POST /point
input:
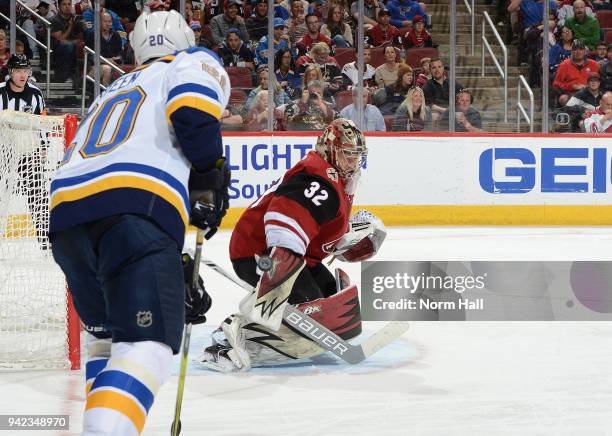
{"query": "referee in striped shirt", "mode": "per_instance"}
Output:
(19, 95)
(16, 93)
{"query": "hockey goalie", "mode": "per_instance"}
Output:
(278, 246)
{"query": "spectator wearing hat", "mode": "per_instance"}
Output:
(371, 9)
(587, 99)
(386, 74)
(88, 22)
(600, 120)
(313, 36)
(197, 32)
(350, 72)
(585, 28)
(425, 73)
(573, 73)
(281, 40)
(257, 23)
(383, 34)
(230, 18)
(296, 24)
(336, 29)
(235, 53)
(403, 11)
(418, 36)
(373, 120)
(606, 72)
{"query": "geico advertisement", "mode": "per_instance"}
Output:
(445, 170)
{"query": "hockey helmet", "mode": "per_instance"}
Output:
(160, 34)
(343, 145)
(18, 62)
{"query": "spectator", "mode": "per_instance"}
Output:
(281, 40)
(231, 118)
(310, 112)
(587, 99)
(280, 97)
(280, 11)
(235, 53)
(600, 5)
(287, 4)
(467, 119)
(319, 55)
(606, 71)
(257, 118)
(220, 24)
(600, 120)
(383, 34)
(425, 73)
(600, 55)
(26, 21)
(403, 11)
(437, 91)
(532, 13)
(197, 33)
(257, 23)
(373, 120)
(110, 47)
(350, 73)
(285, 72)
(313, 72)
(566, 10)
(412, 115)
(65, 30)
(562, 49)
(391, 97)
(585, 28)
(371, 9)
(386, 74)
(296, 24)
(88, 22)
(573, 73)
(313, 36)
(417, 37)
(339, 32)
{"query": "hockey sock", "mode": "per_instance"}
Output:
(123, 392)
(98, 353)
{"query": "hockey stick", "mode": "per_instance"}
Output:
(322, 335)
(176, 423)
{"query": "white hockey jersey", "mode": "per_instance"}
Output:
(125, 156)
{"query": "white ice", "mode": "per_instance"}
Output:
(471, 378)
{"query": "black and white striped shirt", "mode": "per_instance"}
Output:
(29, 100)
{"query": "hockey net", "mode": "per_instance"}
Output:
(38, 325)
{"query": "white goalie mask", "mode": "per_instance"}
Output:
(160, 34)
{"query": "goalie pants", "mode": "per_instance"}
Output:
(312, 283)
(126, 278)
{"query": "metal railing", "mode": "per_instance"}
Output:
(520, 109)
(87, 77)
(472, 11)
(47, 47)
(503, 72)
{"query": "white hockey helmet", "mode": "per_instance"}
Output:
(160, 34)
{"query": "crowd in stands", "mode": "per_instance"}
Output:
(315, 74)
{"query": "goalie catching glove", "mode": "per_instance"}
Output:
(197, 301)
(209, 197)
(365, 236)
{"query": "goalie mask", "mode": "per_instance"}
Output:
(343, 145)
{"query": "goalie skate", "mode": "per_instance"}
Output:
(216, 358)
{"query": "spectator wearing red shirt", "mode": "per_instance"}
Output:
(574, 72)
(313, 36)
(600, 121)
(384, 34)
(417, 36)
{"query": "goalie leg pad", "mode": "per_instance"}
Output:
(280, 271)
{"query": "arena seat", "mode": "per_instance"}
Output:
(605, 19)
(240, 77)
(414, 55)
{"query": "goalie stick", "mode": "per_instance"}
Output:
(322, 335)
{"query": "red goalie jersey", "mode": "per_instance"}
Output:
(307, 211)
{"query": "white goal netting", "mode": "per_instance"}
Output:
(33, 298)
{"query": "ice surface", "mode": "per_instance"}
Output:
(438, 379)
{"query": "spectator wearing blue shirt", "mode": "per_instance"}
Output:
(403, 11)
(88, 22)
(562, 49)
(373, 120)
(533, 10)
(281, 40)
(286, 74)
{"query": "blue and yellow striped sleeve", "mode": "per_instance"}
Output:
(195, 96)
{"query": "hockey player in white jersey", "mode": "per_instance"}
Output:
(145, 162)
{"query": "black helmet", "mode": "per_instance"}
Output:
(18, 61)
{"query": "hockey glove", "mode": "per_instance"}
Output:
(209, 197)
(197, 301)
(365, 236)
